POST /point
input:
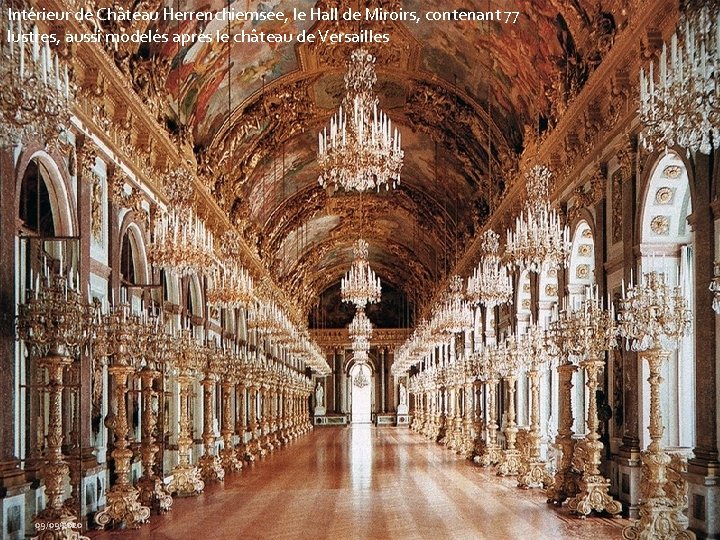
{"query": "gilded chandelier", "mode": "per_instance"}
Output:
(35, 93)
(182, 244)
(539, 241)
(232, 286)
(683, 107)
(490, 283)
(360, 286)
(360, 150)
(454, 314)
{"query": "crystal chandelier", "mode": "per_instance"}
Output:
(360, 327)
(182, 244)
(231, 286)
(490, 283)
(35, 93)
(360, 286)
(454, 314)
(653, 315)
(360, 150)
(539, 241)
(361, 380)
(684, 106)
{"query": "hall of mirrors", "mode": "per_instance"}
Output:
(500, 238)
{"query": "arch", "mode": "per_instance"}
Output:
(361, 396)
(62, 207)
(581, 267)
(666, 245)
(194, 297)
(133, 233)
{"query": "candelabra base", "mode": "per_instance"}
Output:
(509, 462)
(563, 486)
(229, 460)
(488, 454)
(211, 468)
(57, 524)
(593, 496)
(186, 481)
(533, 474)
(657, 522)
(244, 453)
(154, 494)
(123, 508)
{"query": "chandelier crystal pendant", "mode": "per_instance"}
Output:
(490, 283)
(360, 380)
(360, 286)
(539, 241)
(683, 105)
(360, 150)
(360, 327)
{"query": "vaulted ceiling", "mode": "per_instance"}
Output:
(458, 91)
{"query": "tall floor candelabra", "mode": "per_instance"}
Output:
(488, 452)
(228, 457)
(654, 316)
(210, 466)
(509, 364)
(534, 347)
(186, 479)
(565, 483)
(156, 345)
(123, 507)
(593, 331)
(54, 323)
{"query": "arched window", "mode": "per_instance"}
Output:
(127, 263)
(35, 209)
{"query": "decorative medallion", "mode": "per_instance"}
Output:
(582, 271)
(551, 290)
(587, 233)
(585, 250)
(526, 287)
(526, 303)
(552, 272)
(664, 195)
(660, 225)
(672, 171)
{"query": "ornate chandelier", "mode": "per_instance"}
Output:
(360, 327)
(181, 242)
(360, 286)
(35, 93)
(232, 286)
(539, 241)
(684, 106)
(454, 314)
(361, 380)
(360, 150)
(490, 283)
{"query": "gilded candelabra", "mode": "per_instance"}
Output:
(508, 361)
(211, 468)
(535, 352)
(156, 348)
(593, 333)
(54, 323)
(186, 479)
(653, 317)
(565, 483)
(231, 365)
(489, 452)
(123, 507)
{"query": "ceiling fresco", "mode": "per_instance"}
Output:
(466, 97)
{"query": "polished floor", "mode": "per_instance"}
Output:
(363, 482)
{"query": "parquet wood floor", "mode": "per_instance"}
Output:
(363, 482)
